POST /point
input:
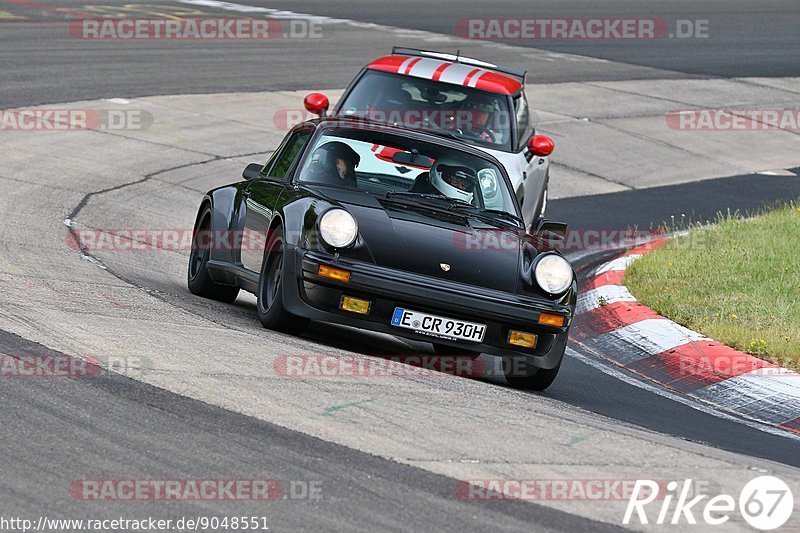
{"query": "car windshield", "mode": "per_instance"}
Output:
(394, 166)
(471, 115)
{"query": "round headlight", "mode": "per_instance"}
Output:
(338, 228)
(553, 274)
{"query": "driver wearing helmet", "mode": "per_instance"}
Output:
(450, 178)
(334, 163)
(480, 109)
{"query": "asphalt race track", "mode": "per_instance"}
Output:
(41, 65)
(162, 430)
(740, 31)
(387, 454)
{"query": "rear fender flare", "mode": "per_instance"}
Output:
(226, 214)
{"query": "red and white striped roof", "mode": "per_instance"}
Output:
(448, 72)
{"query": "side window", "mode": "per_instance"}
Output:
(283, 162)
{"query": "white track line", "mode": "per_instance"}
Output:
(620, 263)
(656, 335)
(607, 294)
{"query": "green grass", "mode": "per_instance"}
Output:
(736, 281)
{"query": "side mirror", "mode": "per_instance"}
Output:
(549, 234)
(551, 229)
(316, 103)
(252, 171)
(541, 145)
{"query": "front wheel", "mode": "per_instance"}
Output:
(271, 312)
(520, 375)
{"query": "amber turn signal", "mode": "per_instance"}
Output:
(334, 273)
(548, 319)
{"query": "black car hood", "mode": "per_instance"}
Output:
(451, 246)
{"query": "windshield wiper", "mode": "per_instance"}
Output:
(451, 203)
(506, 215)
(456, 203)
(478, 211)
(407, 200)
(427, 196)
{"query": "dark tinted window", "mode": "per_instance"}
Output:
(289, 153)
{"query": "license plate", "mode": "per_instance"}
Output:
(438, 326)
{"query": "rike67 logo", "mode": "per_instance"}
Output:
(766, 503)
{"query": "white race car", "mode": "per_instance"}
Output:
(473, 101)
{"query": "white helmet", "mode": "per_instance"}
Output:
(453, 179)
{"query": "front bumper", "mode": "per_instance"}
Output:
(309, 295)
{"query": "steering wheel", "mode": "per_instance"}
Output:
(475, 134)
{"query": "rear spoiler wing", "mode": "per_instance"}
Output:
(457, 58)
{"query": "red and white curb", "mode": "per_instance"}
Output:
(612, 324)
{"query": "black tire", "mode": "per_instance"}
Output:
(271, 312)
(443, 349)
(199, 280)
(521, 375)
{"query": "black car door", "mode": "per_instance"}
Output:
(262, 194)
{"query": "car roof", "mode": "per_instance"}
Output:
(452, 72)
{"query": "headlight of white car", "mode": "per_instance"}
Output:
(338, 228)
(553, 274)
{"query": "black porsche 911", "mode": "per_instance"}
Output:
(391, 230)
